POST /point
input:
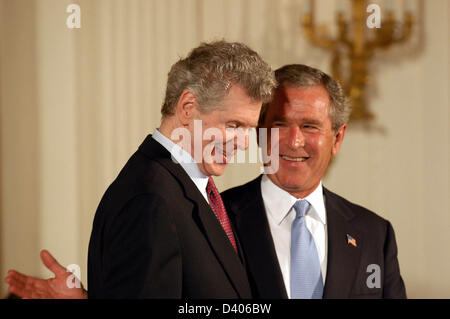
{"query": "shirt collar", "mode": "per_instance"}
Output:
(180, 156)
(279, 202)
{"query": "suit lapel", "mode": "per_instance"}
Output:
(343, 258)
(255, 236)
(205, 219)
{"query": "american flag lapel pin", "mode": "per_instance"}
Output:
(351, 240)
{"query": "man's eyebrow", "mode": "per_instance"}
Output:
(278, 118)
(304, 120)
(312, 121)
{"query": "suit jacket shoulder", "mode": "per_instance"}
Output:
(370, 260)
(155, 236)
(352, 211)
(349, 266)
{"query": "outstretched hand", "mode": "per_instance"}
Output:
(53, 288)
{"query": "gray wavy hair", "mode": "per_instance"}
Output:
(209, 71)
(299, 75)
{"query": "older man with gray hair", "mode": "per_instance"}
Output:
(161, 229)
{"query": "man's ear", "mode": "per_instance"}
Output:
(186, 106)
(338, 139)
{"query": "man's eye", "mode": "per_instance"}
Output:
(278, 124)
(233, 125)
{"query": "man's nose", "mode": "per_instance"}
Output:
(296, 137)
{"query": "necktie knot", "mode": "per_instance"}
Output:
(211, 187)
(300, 207)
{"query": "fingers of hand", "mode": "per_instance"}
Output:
(51, 263)
(16, 278)
(29, 293)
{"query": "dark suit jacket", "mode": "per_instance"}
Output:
(155, 236)
(347, 271)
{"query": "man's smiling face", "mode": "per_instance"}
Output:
(239, 112)
(306, 137)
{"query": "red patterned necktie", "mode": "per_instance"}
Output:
(216, 203)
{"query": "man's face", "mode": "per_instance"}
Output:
(306, 138)
(239, 113)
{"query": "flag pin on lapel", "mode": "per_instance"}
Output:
(351, 240)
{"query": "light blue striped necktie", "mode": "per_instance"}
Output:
(306, 276)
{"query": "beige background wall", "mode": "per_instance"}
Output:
(76, 103)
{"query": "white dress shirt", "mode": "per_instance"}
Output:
(280, 214)
(186, 161)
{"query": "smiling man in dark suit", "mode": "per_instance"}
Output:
(161, 229)
(300, 239)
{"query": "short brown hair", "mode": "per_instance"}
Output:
(299, 75)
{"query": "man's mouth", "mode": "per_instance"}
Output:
(294, 159)
(228, 156)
